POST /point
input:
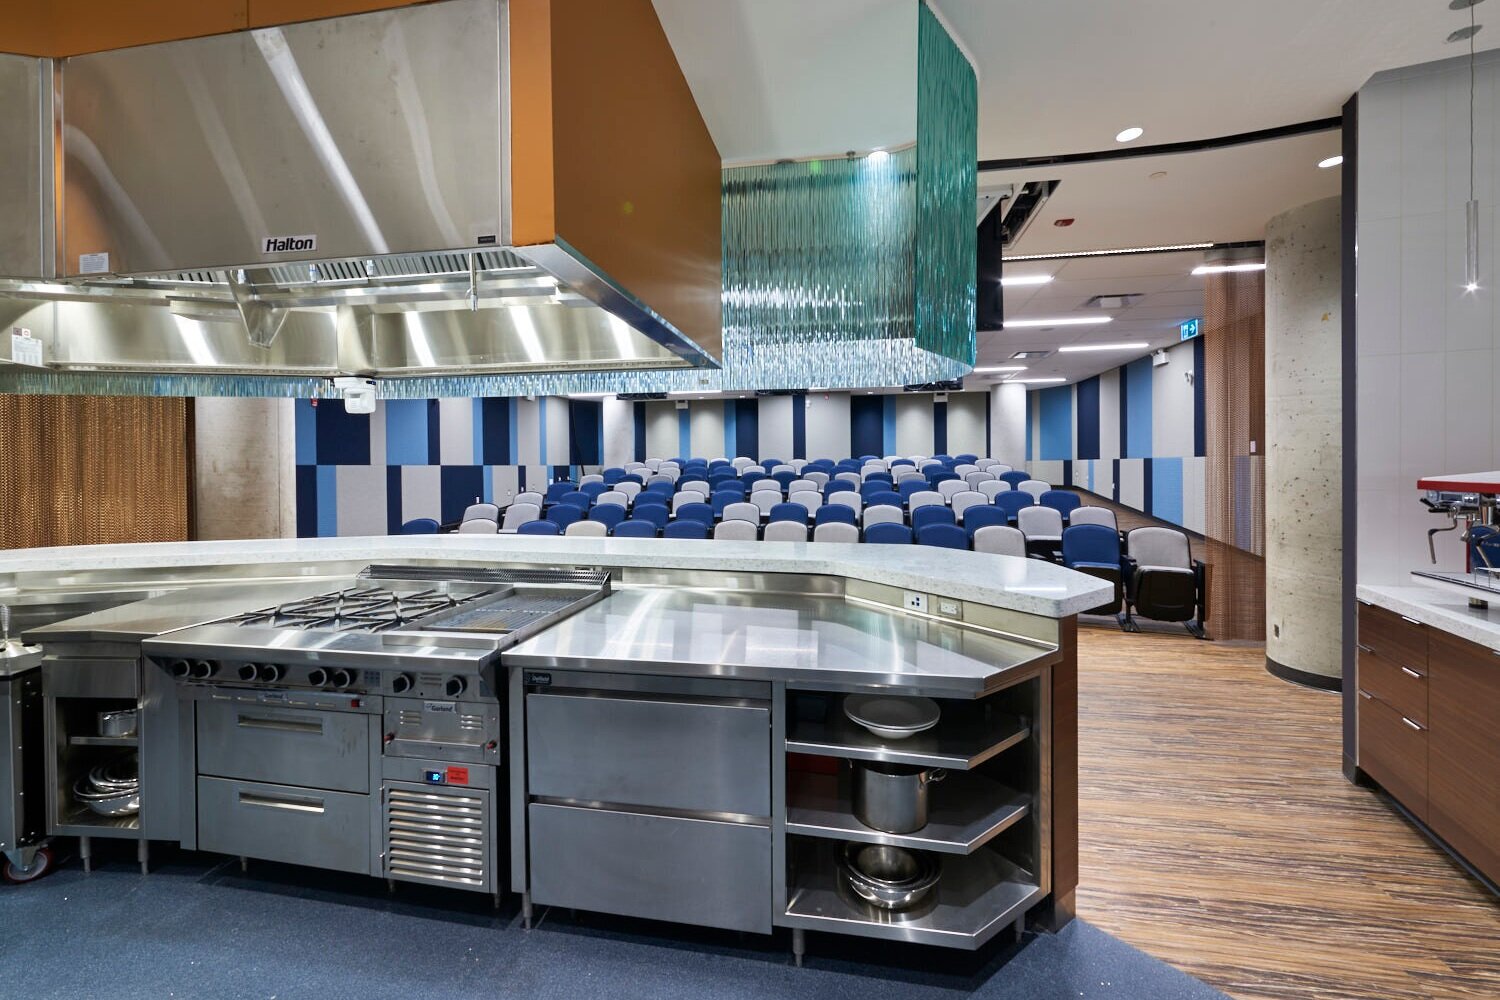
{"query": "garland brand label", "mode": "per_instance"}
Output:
(288, 244)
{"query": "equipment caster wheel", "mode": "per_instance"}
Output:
(41, 864)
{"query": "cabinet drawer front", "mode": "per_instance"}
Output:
(1464, 750)
(1393, 751)
(688, 871)
(1400, 640)
(698, 756)
(299, 826)
(1402, 688)
(284, 746)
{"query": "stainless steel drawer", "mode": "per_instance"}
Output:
(284, 746)
(694, 755)
(299, 826)
(690, 871)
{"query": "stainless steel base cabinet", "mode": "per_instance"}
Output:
(299, 826)
(687, 870)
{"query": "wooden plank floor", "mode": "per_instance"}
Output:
(1219, 835)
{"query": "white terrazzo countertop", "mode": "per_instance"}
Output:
(1440, 609)
(1026, 585)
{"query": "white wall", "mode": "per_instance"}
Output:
(1008, 424)
(914, 424)
(827, 425)
(1171, 404)
(775, 422)
(967, 412)
(618, 417)
(662, 432)
(1427, 352)
(706, 428)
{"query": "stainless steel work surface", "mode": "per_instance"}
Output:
(178, 609)
(804, 641)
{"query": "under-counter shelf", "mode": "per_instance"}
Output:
(82, 821)
(965, 812)
(977, 896)
(960, 741)
(104, 741)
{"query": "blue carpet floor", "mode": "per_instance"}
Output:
(197, 927)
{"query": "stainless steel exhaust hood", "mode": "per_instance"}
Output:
(337, 197)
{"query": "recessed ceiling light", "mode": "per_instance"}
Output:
(1131, 134)
(1034, 381)
(818, 388)
(1017, 324)
(1029, 355)
(1075, 348)
(1228, 268)
(1121, 251)
(999, 368)
(1332, 161)
(878, 156)
(1025, 279)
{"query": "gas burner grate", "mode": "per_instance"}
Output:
(357, 609)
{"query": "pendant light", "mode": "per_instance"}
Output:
(1471, 207)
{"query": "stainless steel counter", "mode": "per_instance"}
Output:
(820, 642)
(194, 605)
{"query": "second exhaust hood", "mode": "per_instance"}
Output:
(471, 185)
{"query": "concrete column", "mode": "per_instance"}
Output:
(1304, 461)
(1008, 424)
(245, 468)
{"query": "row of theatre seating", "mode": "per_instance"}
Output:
(882, 502)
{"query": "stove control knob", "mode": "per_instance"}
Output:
(268, 672)
(248, 672)
(179, 668)
(317, 677)
(343, 678)
(202, 670)
(401, 683)
(454, 687)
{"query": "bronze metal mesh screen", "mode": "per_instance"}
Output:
(1234, 352)
(83, 470)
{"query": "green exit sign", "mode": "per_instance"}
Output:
(1190, 329)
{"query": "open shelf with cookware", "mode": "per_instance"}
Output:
(913, 819)
(95, 767)
(971, 811)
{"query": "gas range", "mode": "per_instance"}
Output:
(404, 631)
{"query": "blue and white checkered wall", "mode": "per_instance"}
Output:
(367, 474)
(1134, 434)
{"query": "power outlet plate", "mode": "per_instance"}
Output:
(948, 608)
(913, 601)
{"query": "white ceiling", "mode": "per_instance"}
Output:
(792, 78)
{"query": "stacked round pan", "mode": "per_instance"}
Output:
(112, 789)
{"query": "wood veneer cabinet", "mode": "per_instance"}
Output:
(1429, 729)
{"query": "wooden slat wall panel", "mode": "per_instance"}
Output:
(87, 470)
(1234, 349)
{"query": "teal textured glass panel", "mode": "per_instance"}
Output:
(819, 258)
(947, 180)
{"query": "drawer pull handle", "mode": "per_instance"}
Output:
(269, 802)
(1408, 671)
(1411, 621)
(1366, 695)
(1411, 723)
(281, 725)
(1363, 648)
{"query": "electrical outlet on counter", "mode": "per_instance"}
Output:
(949, 608)
(913, 601)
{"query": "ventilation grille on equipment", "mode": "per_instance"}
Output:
(437, 835)
(361, 269)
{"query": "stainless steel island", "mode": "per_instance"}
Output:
(675, 749)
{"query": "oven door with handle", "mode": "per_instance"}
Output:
(286, 746)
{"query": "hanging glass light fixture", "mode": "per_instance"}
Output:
(1471, 207)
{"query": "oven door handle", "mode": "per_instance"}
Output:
(293, 803)
(314, 728)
